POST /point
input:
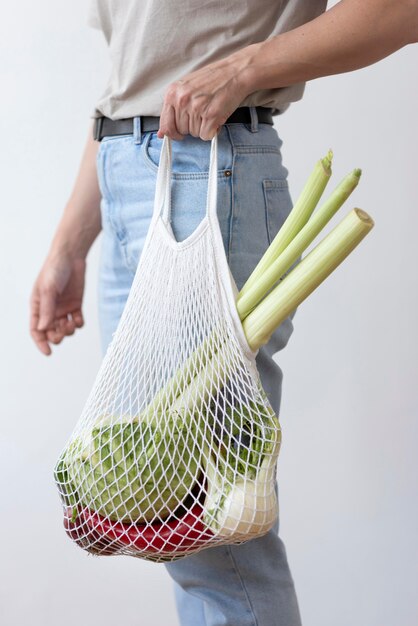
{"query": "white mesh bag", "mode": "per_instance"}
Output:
(176, 448)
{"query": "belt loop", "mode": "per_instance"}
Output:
(97, 129)
(137, 129)
(254, 119)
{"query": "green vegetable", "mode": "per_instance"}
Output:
(297, 218)
(305, 277)
(134, 470)
(251, 295)
(142, 468)
(297, 232)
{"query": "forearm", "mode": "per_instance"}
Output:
(351, 35)
(80, 223)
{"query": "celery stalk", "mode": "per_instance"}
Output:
(305, 277)
(249, 298)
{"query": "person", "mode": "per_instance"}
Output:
(189, 70)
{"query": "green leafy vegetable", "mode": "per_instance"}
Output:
(133, 471)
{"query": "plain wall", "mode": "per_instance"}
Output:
(348, 465)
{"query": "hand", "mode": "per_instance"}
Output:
(56, 301)
(200, 102)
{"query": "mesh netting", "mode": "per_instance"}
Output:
(176, 448)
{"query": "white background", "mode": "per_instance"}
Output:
(348, 466)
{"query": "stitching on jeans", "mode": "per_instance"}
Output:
(248, 149)
(119, 228)
(198, 175)
(128, 258)
(231, 219)
(109, 138)
(179, 176)
(106, 168)
(236, 570)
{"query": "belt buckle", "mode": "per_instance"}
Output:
(98, 126)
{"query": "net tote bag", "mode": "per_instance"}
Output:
(176, 447)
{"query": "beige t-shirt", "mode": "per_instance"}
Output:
(154, 42)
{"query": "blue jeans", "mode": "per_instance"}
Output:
(239, 585)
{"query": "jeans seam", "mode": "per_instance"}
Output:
(112, 200)
(101, 164)
(121, 234)
(243, 587)
(248, 149)
(231, 219)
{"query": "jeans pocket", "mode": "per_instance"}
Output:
(151, 149)
(190, 156)
(102, 182)
(100, 166)
(278, 204)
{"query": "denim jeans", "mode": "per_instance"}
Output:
(239, 585)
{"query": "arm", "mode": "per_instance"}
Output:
(81, 223)
(58, 290)
(351, 35)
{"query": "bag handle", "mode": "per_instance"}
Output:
(162, 201)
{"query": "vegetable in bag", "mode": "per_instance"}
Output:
(177, 445)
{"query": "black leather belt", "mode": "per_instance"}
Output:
(105, 127)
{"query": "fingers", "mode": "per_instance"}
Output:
(176, 123)
(39, 336)
(63, 327)
(195, 122)
(168, 124)
(40, 339)
(56, 302)
(67, 324)
(181, 119)
(54, 336)
(77, 317)
(211, 124)
(47, 303)
(45, 328)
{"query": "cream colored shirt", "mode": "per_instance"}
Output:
(154, 42)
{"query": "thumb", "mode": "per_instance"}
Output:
(46, 308)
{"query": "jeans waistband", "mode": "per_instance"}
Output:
(105, 127)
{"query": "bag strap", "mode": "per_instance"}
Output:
(212, 192)
(162, 201)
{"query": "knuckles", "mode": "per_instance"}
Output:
(180, 97)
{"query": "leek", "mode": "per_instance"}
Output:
(250, 297)
(296, 219)
(305, 277)
(248, 506)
